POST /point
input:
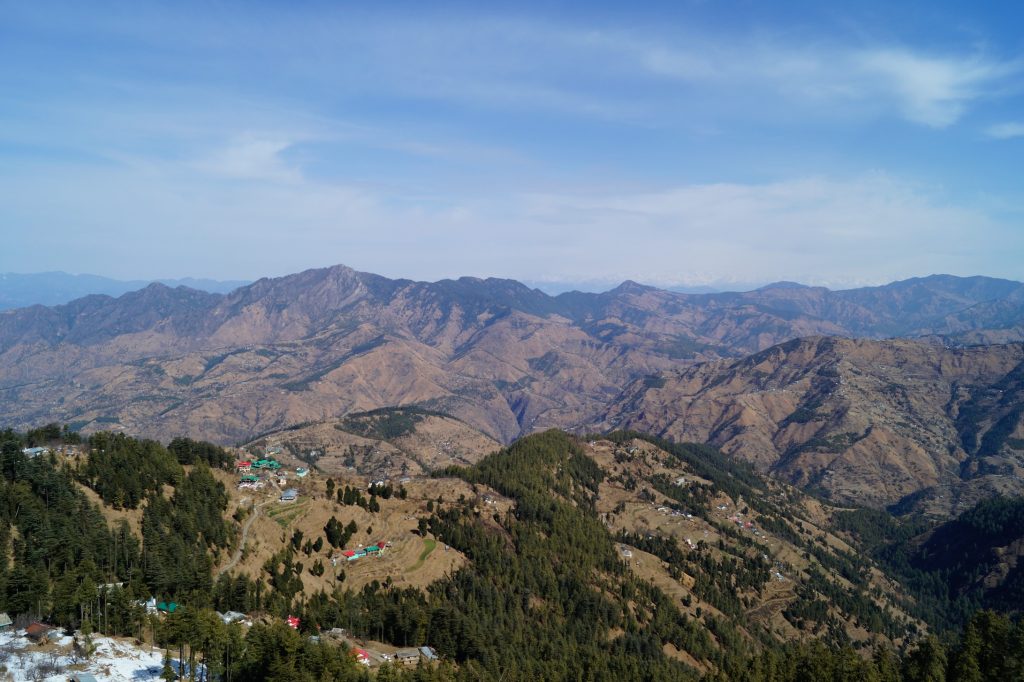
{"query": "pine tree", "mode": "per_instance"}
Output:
(168, 673)
(927, 663)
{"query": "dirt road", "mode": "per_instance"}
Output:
(245, 536)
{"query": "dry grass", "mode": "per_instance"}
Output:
(405, 561)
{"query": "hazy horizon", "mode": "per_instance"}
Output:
(678, 144)
(550, 287)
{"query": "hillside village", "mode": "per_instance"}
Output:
(726, 548)
(275, 500)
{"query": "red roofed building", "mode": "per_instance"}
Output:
(244, 467)
(37, 632)
(293, 622)
(362, 656)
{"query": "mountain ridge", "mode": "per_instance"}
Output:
(503, 357)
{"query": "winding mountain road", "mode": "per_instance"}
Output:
(245, 536)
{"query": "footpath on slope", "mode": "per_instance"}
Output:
(245, 536)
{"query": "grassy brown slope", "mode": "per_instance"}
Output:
(630, 503)
(869, 422)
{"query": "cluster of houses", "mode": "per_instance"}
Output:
(405, 657)
(250, 481)
(410, 657)
(675, 512)
(153, 606)
(747, 525)
(34, 452)
(36, 632)
(39, 633)
(253, 481)
(247, 466)
(356, 554)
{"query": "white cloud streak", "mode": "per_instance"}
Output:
(1005, 131)
(935, 91)
(931, 90)
(252, 157)
(570, 70)
(501, 63)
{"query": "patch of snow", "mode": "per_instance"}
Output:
(114, 660)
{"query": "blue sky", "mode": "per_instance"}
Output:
(682, 143)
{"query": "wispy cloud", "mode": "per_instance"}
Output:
(500, 64)
(415, 146)
(608, 73)
(935, 91)
(1005, 131)
(252, 157)
(929, 89)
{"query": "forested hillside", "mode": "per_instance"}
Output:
(767, 592)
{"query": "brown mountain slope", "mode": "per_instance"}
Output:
(504, 358)
(869, 422)
(383, 444)
(652, 498)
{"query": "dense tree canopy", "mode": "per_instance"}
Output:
(544, 595)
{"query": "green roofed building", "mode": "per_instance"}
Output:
(167, 607)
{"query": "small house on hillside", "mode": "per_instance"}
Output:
(244, 467)
(38, 633)
(408, 657)
(271, 464)
(5, 622)
(301, 473)
(167, 607)
(428, 654)
(362, 656)
(290, 495)
(33, 452)
(229, 617)
(82, 677)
